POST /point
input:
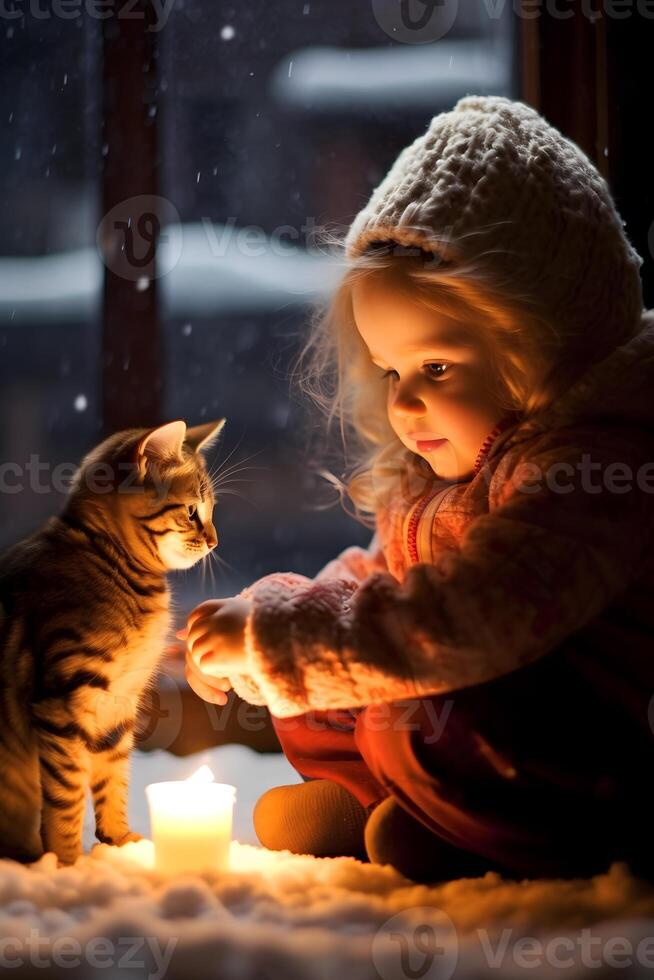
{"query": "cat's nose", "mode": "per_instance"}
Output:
(211, 539)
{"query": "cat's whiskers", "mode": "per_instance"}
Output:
(236, 493)
(228, 483)
(211, 570)
(216, 481)
(221, 469)
(221, 561)
(216, 475)
(231, 478)
(232, 452)
(219, 487)
(206, 567)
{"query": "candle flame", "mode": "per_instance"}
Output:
(201, 775)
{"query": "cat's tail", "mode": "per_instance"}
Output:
(20, 807)
(20, 799)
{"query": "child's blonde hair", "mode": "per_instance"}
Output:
(532, 359)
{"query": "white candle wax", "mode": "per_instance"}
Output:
(191, 823)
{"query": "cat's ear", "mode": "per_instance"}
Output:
(202, 437)
(161, 444)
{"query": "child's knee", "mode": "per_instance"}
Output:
(319, 817)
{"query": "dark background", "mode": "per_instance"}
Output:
(266, 115)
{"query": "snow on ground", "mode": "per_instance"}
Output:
(275, 914)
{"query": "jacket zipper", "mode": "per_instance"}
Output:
(414, 520)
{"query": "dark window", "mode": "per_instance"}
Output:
(272, 120)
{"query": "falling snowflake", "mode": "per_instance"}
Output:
(81, 403)
(142, 284)
(227, 32)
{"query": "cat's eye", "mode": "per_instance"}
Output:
(192, 511)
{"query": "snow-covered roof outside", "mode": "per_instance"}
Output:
(218, 270)
(428, 75)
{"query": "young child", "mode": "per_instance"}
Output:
(471, 692)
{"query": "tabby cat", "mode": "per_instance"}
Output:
(84, 618)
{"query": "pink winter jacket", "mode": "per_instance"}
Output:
(552, 537)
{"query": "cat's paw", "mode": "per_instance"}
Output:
(67, 858)
(127, 838)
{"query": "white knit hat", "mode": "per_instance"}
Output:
(494, 176)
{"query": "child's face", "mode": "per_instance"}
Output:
(439, 386)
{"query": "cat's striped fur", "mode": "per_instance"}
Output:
(84, 619)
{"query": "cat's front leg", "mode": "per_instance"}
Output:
(63, 761)
(110, 785)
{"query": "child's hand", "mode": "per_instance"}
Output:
(215, 638)
(207, 687)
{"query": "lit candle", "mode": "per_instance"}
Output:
(191, 823)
